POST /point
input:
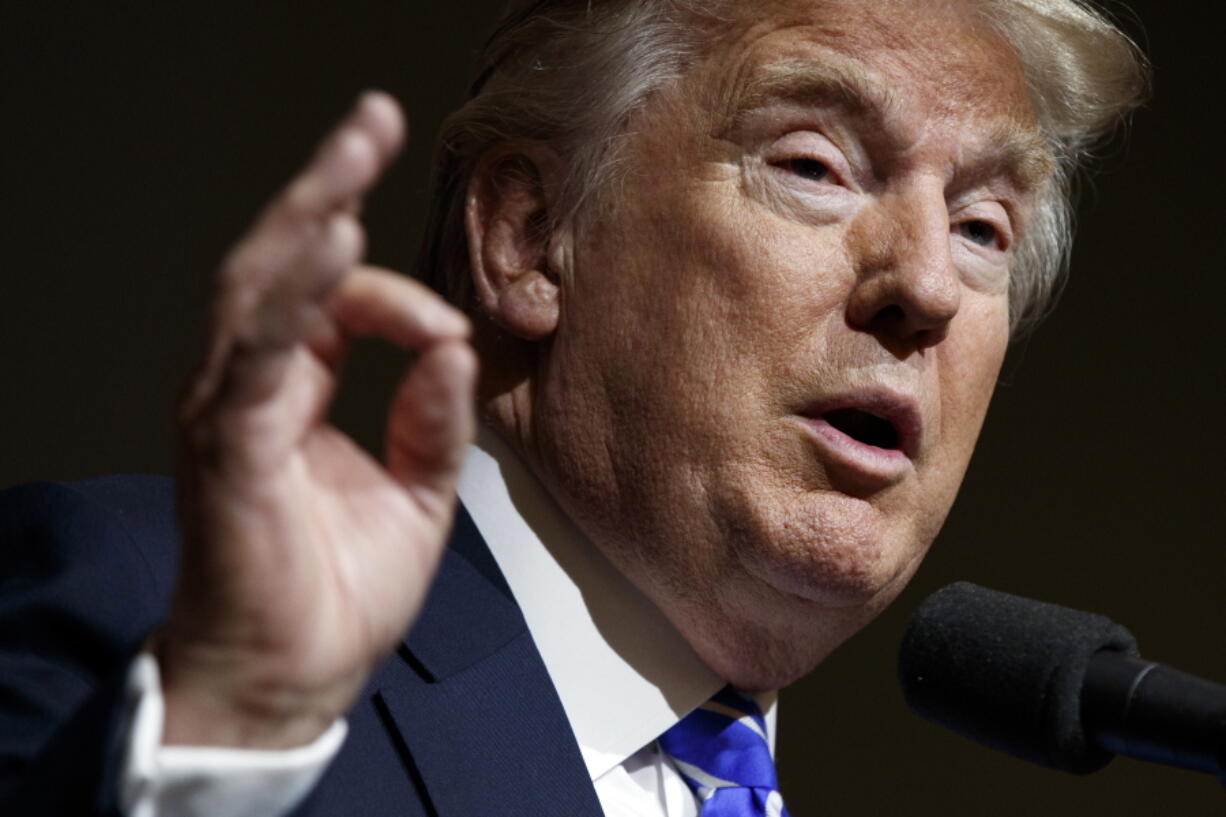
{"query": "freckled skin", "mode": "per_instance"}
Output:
(721, 294)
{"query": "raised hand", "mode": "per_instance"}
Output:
(304, 560)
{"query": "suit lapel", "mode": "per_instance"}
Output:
(474, 704)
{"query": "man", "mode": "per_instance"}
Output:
(739, 320)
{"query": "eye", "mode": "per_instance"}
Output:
(979, 232)
(814, 170)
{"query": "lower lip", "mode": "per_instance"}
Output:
(871, 467)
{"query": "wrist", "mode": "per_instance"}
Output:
(217, 697)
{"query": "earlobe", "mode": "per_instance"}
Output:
(508, 218)
(529, 306)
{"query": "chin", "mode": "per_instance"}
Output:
(758, 636)
(799, 584)
(754, 652)
(766, 666)
(836, 551)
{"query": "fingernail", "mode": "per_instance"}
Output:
(449, 321)
(372, 96)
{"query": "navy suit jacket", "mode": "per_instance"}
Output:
(461, 720)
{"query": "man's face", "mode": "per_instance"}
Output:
(777, 348)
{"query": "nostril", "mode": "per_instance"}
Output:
(913, 327)
(889, 316)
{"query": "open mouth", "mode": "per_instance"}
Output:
(864, 427)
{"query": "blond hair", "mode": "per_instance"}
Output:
(571, 73)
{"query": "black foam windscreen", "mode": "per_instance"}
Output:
(1007, 672)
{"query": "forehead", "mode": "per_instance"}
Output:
(934, 61)
(948, 43)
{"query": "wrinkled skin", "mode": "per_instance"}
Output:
(753, 266)
(664, 366)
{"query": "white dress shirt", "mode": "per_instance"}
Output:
(622, 671)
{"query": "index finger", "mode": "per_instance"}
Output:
(350, 158)
(374, 302)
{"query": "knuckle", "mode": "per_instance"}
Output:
(252, 262)
(345, 241)
(299, 201)
(356, 147)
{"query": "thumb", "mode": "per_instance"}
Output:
(430, 423)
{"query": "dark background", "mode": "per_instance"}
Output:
(139, 138)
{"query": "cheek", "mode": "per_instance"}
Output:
(716, 286)
(775, 285)
(969, 369)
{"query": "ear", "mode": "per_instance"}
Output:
(507, 218)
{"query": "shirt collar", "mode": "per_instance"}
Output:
(622, 671)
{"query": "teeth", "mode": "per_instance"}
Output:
(864, 427)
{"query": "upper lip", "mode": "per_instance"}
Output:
(899, 410)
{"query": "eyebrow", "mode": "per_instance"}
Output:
(1017, 149)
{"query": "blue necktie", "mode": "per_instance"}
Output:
(721, 750)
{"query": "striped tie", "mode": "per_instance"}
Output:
(722, 751)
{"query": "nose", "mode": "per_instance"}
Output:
(907, 289)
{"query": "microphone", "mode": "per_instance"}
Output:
(1054, 686)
